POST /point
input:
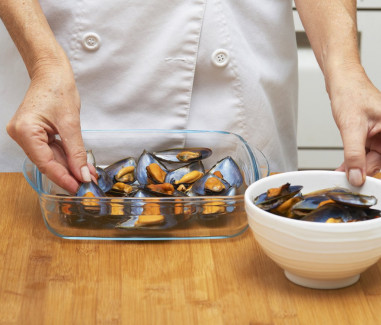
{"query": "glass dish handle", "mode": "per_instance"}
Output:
(262, 163)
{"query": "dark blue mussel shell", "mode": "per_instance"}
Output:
(105, 182)
(92, 205)
(114, 168)
(91, 187)
(144, 161)
(177, 174)
(230, 171)
(172, 155)
(268, 203)
(353, 199)
(340, 213)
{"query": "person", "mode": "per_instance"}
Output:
(223, 65)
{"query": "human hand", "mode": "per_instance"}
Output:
(356, 107)
(51, 107)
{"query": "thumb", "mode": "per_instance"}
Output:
(354, 154)
(76, 153)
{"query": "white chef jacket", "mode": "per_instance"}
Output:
(172, 64)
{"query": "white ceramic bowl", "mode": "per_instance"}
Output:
(316, 255)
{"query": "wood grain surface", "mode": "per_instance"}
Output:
(48, 280)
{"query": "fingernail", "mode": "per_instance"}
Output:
(85, 173)
(355, 177)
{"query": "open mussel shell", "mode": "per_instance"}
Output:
(90, 187)
(92, 201)
(308, 204)
(144, 161)
(160, 216)
(91, 157)
(200, 187)
(267, 203)
(334, 212)
(214, 208)
(165, 190)
(133, 224)
(105, 182)
(339, 213)
(230, 204)
(117, 210)
(137, 205)
(372, 213)
(120, 189)
(183, 155)
(230, 171)
(313, 200)
(353, 199)
(148, 215)
(118, 166)
(174, 176)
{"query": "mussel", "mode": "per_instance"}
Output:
(149, 169)
(352, 199)
(123, 170)
(92, 201)
(228, 170)
(185, 176)
(209, 184)
(183, 155)
(164, 189)
(274, 197)
(337, 213)
(104, 180)
(174, 173)
(150, 217)
(90, 189)
(91, 157)
(331, 205)
(122, 189)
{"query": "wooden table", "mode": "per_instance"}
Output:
(48, 280)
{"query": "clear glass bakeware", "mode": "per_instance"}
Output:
(185, 217)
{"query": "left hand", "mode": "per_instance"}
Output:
(356, 108)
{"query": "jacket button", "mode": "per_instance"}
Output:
(220, 58)
(91, 41)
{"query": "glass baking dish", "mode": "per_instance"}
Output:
(186, 217)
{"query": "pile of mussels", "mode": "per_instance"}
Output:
(177, 172)
(330, 205)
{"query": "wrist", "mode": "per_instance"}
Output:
(51, 67)
(48, 59)
(339, 75)
(54, 77)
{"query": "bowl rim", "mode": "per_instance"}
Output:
(300, 224)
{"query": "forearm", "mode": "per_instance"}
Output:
(331, 27)
(31, 33)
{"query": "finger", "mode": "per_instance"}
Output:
(354, 153)
(72, 143)
(92, 169)
(59, 152)
(373, 159)
(341, 168)
(60, 157)
(38, 150)
(60, 175)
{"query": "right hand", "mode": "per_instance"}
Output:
(51, 107)
(356, 108)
